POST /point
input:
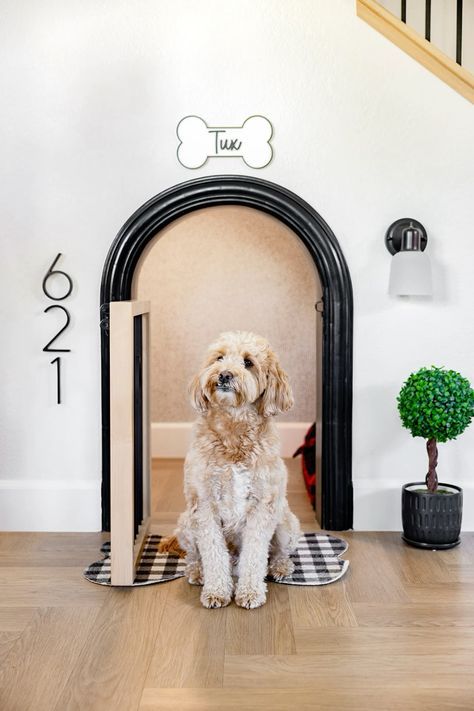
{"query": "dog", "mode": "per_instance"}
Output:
(237, 522)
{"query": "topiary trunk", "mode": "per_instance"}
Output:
(432, 477)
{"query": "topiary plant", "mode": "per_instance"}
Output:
(438, 405)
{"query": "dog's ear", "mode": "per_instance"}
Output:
(198, 400)
(277, 396)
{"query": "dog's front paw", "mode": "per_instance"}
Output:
(250, 596)
(193, 572)
(281, 568)
(211, 599)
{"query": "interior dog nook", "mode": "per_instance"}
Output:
(231, 214)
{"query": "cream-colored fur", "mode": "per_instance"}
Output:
(237, 523)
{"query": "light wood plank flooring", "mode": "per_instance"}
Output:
(396, 633)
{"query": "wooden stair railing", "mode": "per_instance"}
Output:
(421, 49)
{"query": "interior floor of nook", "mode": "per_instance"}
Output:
(168, 498)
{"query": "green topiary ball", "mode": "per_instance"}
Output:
(436, 404)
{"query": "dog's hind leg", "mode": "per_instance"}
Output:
(186, 539)
(283, 544)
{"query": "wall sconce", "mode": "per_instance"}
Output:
(410, 273)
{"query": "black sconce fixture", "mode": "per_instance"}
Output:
(410, 273)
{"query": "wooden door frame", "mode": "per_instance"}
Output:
(335, 447)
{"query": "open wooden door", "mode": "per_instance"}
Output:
(130, 463)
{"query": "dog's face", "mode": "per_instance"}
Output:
(241, 370)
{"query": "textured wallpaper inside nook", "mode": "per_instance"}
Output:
(226, 268)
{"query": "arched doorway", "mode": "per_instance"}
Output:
(334, 443)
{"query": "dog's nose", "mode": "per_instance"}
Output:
(225, 377)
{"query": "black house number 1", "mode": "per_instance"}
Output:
(52, 346)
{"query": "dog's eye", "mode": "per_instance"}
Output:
(248, 363)
(220, 358)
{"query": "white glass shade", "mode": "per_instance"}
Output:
(410, 274)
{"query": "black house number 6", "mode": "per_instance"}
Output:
(48, 348)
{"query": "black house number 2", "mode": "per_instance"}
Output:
(52, 346)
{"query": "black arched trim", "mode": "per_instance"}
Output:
(324, 249)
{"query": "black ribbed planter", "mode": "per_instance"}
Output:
(431, 520)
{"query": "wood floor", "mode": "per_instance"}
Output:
(397, 632)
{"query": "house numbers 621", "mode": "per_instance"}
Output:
(57, 289)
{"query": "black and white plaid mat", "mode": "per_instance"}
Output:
(316, 562)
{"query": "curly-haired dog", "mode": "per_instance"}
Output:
(237, 521)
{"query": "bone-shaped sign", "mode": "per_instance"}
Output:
(198, 141)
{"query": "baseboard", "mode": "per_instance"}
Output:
(74, 506)
(377, 505)
(170, 440)
(50, 505)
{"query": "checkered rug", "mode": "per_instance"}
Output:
(316, 562)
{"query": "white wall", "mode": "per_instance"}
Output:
(91, 95)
